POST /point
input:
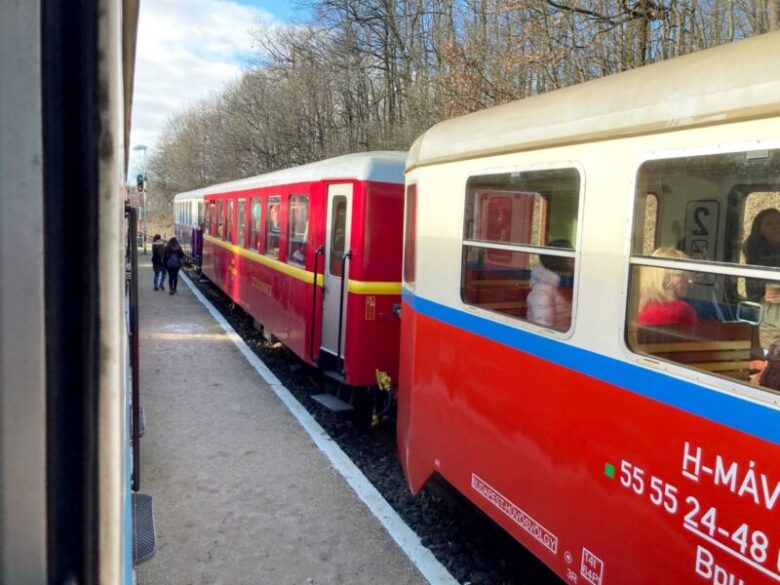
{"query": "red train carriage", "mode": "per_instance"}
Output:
(313, 253)
(583, 326)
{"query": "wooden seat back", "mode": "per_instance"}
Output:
(713, 346)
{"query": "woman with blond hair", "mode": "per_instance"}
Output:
(661, 291)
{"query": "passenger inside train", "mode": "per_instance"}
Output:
(298, 225)
(549, 303)
(720, 209)
(661, 293)
(762, 248)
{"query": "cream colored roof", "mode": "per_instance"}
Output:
(187, 195)
(382, 166)
(727, 83)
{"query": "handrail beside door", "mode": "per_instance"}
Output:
(340, 360)
(317, 253)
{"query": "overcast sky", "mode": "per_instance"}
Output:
(187, 50)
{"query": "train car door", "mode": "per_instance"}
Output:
(337, 244)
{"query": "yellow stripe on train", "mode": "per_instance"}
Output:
(354, 286)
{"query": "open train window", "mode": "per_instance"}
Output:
(410, 235)
(297, 228)
(254, 226)
(706, 293)
(273, 217)
(221, 219)
(519, 238)
(241, 224)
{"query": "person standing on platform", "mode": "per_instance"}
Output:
(158, 264)
(173, 258)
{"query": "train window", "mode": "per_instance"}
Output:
(210, 218)
(201, 214)
(254, 226)
(704, 285)
(229, 222)
(298, 228)
(241, 224)
(519, 236)
(410, 235)
(272, 226)
(221, 219)
(338, 235)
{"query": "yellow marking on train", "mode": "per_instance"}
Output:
(294, 271)
(374, 288)
(354, 286)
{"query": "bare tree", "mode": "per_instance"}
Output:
(374, 74)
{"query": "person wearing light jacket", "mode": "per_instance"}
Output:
(547, 305)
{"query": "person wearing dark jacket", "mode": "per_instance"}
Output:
(173, 258)
(762, 248)
(158, 264)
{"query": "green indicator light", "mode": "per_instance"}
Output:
(609, 470)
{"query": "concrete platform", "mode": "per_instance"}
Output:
(242, 494)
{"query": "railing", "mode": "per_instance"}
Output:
(339, 359)
(317, 253)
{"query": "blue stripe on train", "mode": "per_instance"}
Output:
(755, 419)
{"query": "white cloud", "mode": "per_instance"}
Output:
(187, 50)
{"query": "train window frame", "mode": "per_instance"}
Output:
(696, 267)
(241, 238)
(276, 229)
(410, 236)
(573, 253)
(255, 222)
(297, 240)
(211, 211)
(221, 219)
(230, 221)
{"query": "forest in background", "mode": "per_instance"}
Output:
(375, 74)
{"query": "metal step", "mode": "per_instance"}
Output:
(141, 421)
(333, 375)
(144, 536)
(332, 403)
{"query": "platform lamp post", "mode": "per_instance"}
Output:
(141, 186)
